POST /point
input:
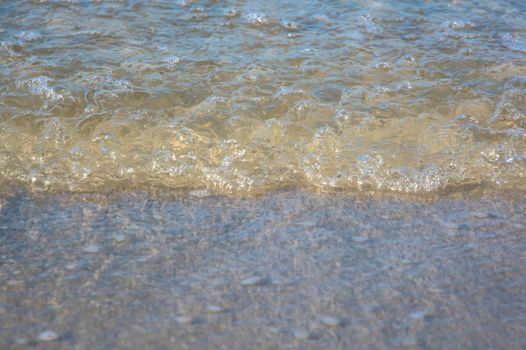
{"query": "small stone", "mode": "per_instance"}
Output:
(48, 336)
(119, 238)
(214, 309)
(14, 283)
(306, 223)
(519, 226)
(183, 319)
(21, 341)
(251, 281)
(408, 341)
(331, 321)
(479, 215)
(200, 193)
(359, 239)
(300, 333)
(273, 329)
(450, 225)
(417, 315)
(483, 215)
(452, 233)
(289, 25)
(143, 258)
(91, 248)
(70, 266)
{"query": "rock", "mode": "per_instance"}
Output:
(252, 281)
(331, 321)
(48, 336)
(183, 319)
(359, 239)
(91, 248)
(300, 333)
(417, 315)
(214, 309)
(449, 225)
(483, 215)
(119, 238)
(144, 258)
(479, 215)
(70, 266)
(21, 341)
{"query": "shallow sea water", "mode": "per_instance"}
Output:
(262, 174)
(243, 97)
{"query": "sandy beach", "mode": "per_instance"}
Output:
(289, 269)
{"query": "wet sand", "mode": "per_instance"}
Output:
(287, 270)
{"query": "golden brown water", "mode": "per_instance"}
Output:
(245, 97)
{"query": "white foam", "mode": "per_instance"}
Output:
(28, 36)
(40, 86)
(255, 18)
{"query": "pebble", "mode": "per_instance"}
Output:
(21, 341)
(70, 266)
(460, 25)
(300, 333)
(519, 226)
(143, 258)
(91, 248)
(48, 336)
(14, 283)
(384, 66)
(479, 215)
(119, 238)
(214, 309)
(289, 25)
(359, 239)
(183, 319)
(252, 281)
(482, 215)
(417, 315)
(449, 225)
(331, 321)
